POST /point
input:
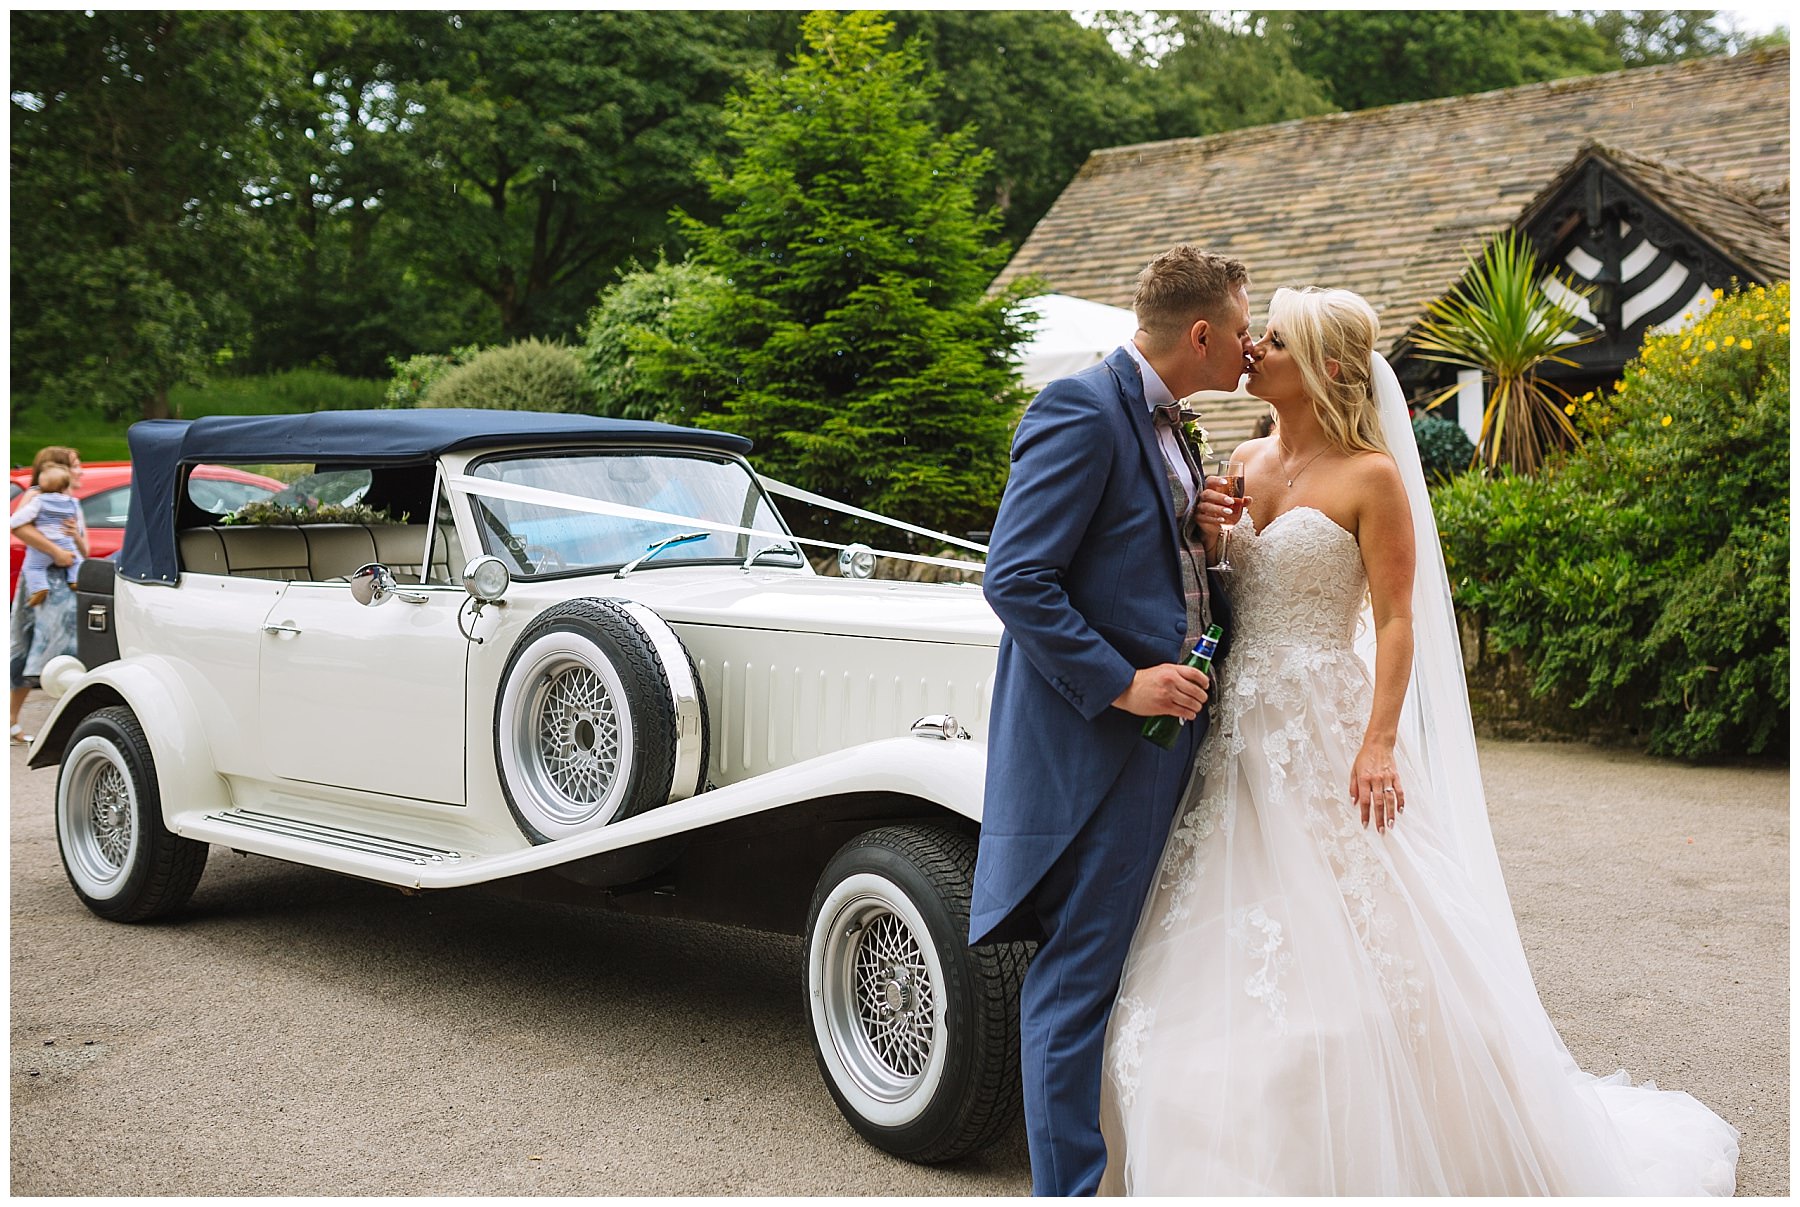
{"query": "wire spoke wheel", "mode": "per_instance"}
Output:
(578, 735)
(888, 999)
(916, 1033)
(573, 735)
(97, 816)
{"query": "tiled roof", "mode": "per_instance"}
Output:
(1740, 228)
(1229, 419)
(1392, 202)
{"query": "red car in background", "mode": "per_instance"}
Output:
(105, 497)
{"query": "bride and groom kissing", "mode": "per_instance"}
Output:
(1280, 957)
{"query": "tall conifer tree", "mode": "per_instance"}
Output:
(855, 341)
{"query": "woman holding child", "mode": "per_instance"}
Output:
(49, 523)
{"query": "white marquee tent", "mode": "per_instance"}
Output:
(1069, 335)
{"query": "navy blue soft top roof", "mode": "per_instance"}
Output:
(160, 447)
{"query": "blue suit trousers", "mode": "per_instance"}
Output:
(1087, 906)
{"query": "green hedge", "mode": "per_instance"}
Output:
(1644, 575)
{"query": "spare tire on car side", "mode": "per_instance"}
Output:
(599, 716)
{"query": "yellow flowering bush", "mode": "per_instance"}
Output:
(1644, 574)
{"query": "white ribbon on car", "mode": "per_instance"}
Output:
(488, 488)
(806, 496)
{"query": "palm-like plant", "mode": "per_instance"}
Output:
(1501, 321)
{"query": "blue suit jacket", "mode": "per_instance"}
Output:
(1082, 570)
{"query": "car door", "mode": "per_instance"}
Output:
(366, 697)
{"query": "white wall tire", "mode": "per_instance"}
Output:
(916, 1034)
(120, 859)
(599, 717)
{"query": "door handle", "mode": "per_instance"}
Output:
(279, 628)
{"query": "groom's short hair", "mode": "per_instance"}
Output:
(1182, 285)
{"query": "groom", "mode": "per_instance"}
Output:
(1099, 579)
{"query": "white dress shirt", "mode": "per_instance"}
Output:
(1157, 394)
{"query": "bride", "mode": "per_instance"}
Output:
(1326, 993)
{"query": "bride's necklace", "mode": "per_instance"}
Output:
(1283, 462)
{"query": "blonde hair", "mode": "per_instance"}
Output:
(1182, 286)
(1320, 325)
(54, 477)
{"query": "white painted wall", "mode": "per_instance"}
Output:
(1470, 400)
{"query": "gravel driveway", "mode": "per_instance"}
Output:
(298, 1033)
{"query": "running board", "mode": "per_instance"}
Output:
(404, 862)
(412, 853)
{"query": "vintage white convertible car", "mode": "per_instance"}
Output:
(600, 667)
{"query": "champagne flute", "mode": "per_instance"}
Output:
(1233, 473)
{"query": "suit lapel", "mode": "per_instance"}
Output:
(1137, 417)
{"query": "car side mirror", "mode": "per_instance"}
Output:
(374, 584)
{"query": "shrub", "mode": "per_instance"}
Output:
(414, 376)
(1645, 573)
(530, 375)
(1444, 447)
(646, 306)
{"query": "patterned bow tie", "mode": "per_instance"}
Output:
(1169, 414)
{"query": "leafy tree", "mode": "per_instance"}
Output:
(1640, 37)
(352, 293)
(1206, 72)
(855, 342)
(544, 148)
(1039, 90)
(1369, 57)
(138, 159)
(414, 376)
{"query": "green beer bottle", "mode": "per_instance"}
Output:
(1162, 730)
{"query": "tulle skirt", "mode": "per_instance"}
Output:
(1311, 1007)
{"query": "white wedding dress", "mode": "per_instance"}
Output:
(1311, 1007)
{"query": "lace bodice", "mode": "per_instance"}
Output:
(1300, 582)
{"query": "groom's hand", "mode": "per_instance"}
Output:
(1169, 690)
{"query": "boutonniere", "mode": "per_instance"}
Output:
(1196, 434)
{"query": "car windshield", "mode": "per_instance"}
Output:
(538, 538)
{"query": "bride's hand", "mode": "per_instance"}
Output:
(1214, 506)
(1375, 786)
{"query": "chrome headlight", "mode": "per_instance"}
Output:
(486, 578)
(856, 561)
